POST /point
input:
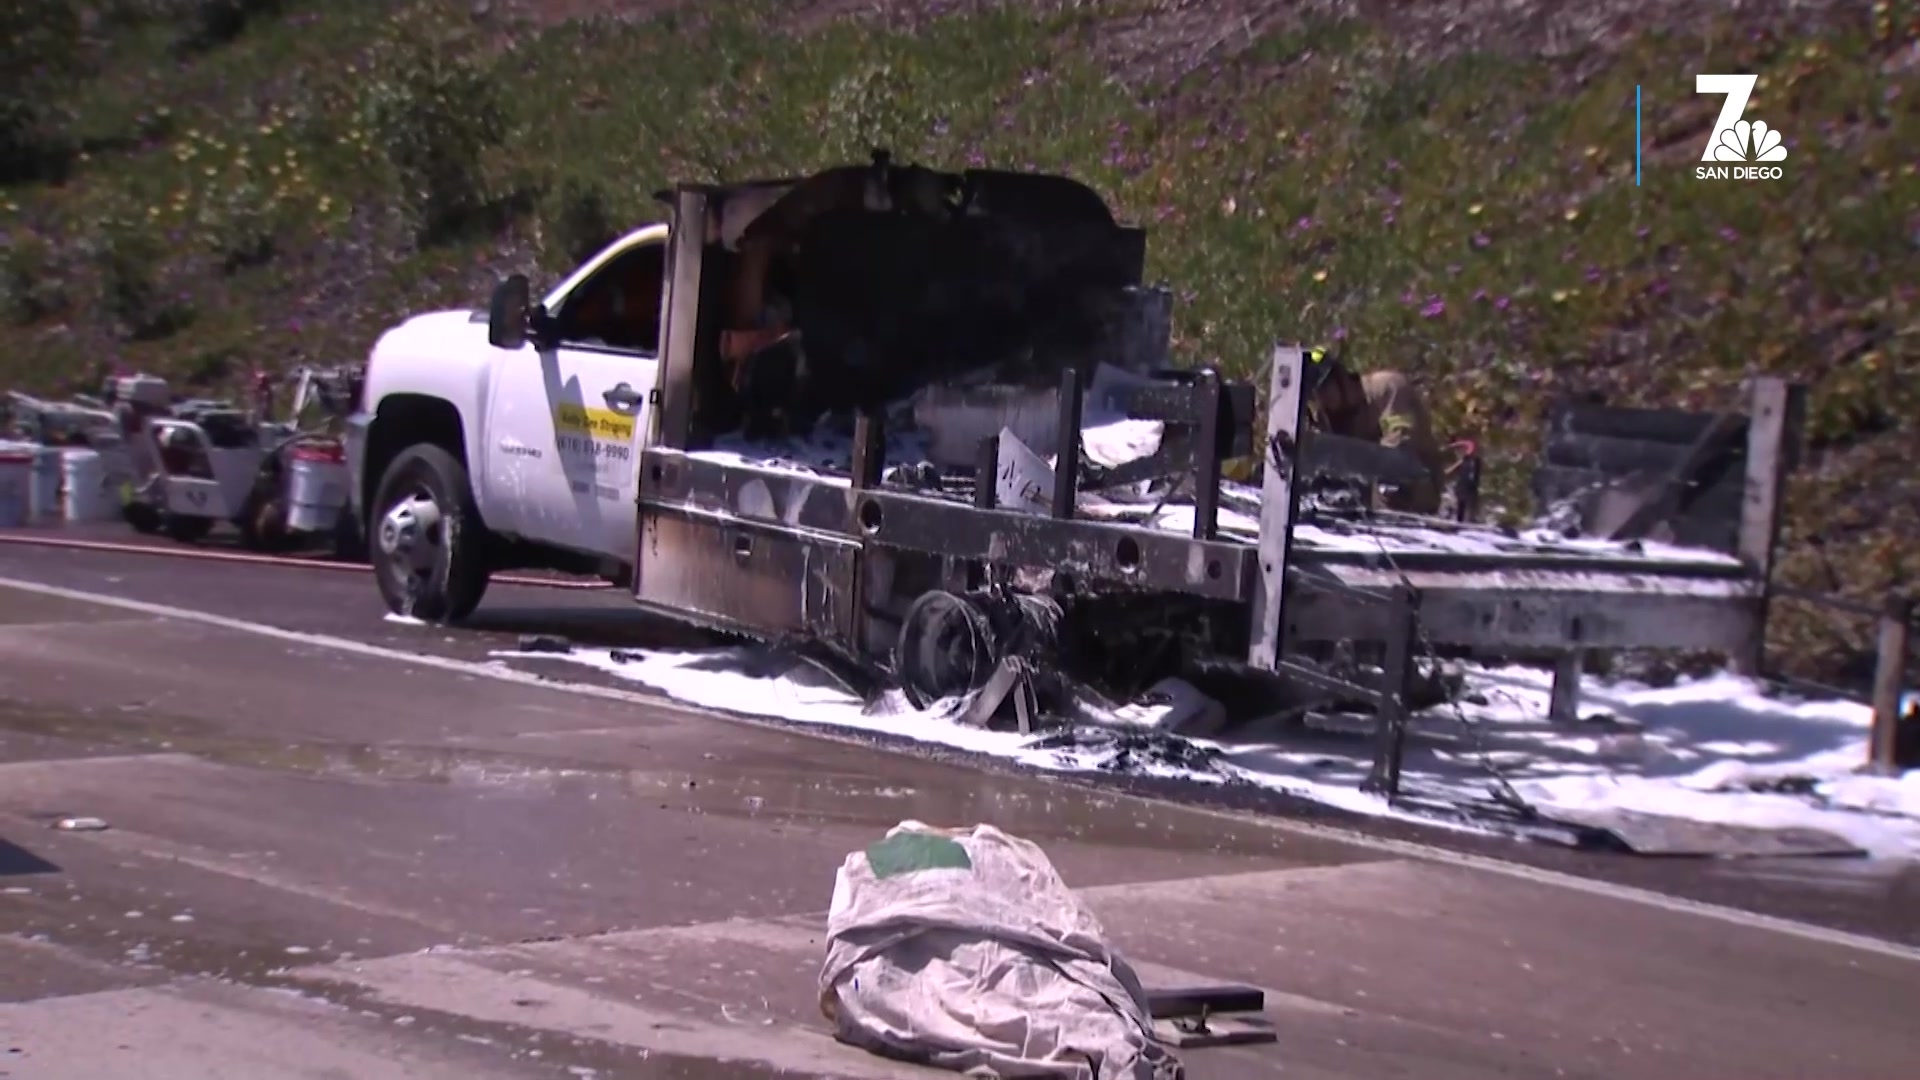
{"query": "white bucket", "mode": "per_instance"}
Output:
(91, 496)
(43, 490)
(16, 481)
(316, 489)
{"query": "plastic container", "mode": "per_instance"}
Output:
(91, 495)
(43, 487)
(16, 482)
(149, 390)
(316, 487)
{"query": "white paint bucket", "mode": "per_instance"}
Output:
(43, 488)
(16, 481)
(316, 487)
(91, 495)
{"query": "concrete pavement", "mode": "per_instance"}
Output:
(1877, 898)
(329, 862)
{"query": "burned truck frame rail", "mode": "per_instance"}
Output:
(774, 551)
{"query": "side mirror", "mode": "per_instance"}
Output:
(507, 314)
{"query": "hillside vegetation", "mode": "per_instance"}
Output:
(205, 187)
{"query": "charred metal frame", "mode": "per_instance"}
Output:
(772, 550)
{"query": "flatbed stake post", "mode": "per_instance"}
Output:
(869, 449)
(986, 496)
(986, 473)
(1066, 466)
(1279, 499)
(1206, 459)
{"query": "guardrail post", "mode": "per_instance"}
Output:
(1889, 685)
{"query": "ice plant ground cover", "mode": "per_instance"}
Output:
(203, 188)
(1718, 749)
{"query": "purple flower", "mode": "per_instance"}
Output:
(1435, 308)
(1339, 333)
(1593, 275)
(1481, 240)
(1502, 303)
(1659, 287)
(1303, 224)
(1409, 298)
(1729, 233)
(1479, 296)
(1393, 164)
(1387, 218)
(1642, 232)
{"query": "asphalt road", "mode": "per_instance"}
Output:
(327, 859)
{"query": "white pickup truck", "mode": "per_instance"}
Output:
(514, 437)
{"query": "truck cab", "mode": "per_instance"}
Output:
(475, 452)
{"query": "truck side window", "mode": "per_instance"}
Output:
(619, 307)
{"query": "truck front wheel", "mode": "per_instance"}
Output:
(429, 547)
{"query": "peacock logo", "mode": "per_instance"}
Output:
(1749, 141)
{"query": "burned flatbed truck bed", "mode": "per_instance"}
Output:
(1001, 320)
(851, 555)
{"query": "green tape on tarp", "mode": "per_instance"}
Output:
(907, 853)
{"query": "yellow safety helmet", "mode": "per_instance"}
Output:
(1320, 364)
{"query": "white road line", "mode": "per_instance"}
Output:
(1404, 848)
(15, 629)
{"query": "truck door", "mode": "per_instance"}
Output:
(563, 420)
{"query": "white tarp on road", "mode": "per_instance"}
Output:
(963, 949)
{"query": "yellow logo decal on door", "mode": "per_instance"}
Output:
(596, 446)
(593, 423)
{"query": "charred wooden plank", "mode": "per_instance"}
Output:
(1675, 427)
(1548, 610)
(1628, 509)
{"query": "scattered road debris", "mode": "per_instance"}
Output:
(545, 643)
(80, 824)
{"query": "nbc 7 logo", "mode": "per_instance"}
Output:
(1738, 89)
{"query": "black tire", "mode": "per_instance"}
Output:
(437, 574)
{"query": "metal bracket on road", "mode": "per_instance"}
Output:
(1010, 683)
